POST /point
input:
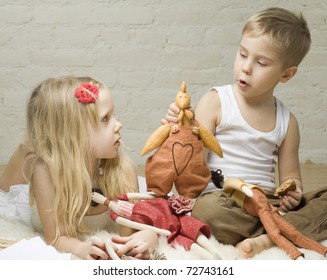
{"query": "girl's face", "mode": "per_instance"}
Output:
(258, 67)
(105, 140)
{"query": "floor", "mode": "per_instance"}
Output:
(313, 176)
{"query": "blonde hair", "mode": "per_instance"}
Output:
(57, 128)
(286, 30)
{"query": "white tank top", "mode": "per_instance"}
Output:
(249, 154)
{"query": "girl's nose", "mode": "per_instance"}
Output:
(118, 126)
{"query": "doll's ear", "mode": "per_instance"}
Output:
(288, 74)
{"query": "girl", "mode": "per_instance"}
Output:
(73, 149)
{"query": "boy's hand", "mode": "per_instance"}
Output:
(172, 114)
(292, 199)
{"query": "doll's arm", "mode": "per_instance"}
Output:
(116, 210)
(156, 139)
(136, 196)
(238, 189)
(209, 140)
(138, 226)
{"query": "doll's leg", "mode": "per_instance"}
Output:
(217, 210)
(259, 206)
(204, 242)
(276, 236)
(159, 173)
(111, 250)
(203, 253)
(193, 173)
(297, 238)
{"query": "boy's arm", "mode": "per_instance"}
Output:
(289, 165)
(208, 112)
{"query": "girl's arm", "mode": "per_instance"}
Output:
(289, 166)
(17, 168)
(44, 196)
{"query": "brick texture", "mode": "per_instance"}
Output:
(143, 50)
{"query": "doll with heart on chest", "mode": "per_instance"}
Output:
(179, 160)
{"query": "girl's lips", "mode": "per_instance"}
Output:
(117, 143)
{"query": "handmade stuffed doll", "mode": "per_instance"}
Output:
(282, 233)
(180, 158)
(164, 216)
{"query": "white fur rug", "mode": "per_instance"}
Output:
(17, 231)
(15, 226)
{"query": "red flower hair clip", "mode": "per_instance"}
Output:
(87, 93)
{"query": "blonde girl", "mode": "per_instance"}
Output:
(75, 149)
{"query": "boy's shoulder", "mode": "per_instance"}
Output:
(221, 89)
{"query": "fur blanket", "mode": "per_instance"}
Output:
(15, 225)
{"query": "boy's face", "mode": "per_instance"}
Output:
(105, 140)
(258, 67)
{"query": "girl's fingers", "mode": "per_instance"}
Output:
(141, 248)
(98, 254)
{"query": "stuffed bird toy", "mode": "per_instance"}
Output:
(179, 160)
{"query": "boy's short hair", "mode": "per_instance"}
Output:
(286, 30)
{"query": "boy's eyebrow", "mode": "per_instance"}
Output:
(259, 55)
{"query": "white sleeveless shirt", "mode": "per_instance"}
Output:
(249, 154)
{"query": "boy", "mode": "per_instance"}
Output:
(254, 128)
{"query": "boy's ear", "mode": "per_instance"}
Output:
(288, 74)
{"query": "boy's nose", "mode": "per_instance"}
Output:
(246, 68)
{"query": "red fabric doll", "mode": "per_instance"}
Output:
(166, 217)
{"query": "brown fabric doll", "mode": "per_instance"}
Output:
(282, 233)
(180, 158)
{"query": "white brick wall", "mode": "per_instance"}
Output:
(143, 50)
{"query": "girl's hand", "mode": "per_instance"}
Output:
(97, 250)
(139, 245)
(292, 199)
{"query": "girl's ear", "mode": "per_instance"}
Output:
(288, 74)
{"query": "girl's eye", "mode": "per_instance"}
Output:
(243, 55)
(106, 118)
(262, 63)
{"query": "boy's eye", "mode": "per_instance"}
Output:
(262, 63)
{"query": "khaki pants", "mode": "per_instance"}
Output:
(231, 224)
